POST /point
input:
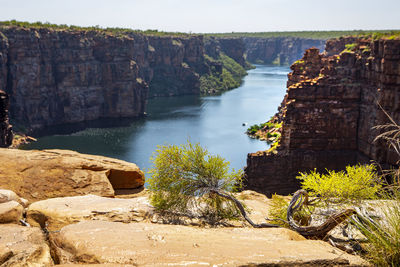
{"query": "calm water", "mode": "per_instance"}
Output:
(214, 121)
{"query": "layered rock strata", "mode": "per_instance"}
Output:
(329, 112)
(5, 127)
(6, 134)
(278, 50)
(59, 76)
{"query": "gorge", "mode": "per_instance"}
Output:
(58, 76)
(55, 77)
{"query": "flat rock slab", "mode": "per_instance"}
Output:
(146, 244)
(23, 246)
(37, 175)
(11, 212)
(57, 212)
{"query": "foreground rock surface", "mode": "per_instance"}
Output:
(37, 175)
(58, 212)
(152, 244)
(23, 246)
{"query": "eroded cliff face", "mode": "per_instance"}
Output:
(278, 50)
(177, 65)
(329, 111)
(6, 135)
(5, 127)
(62, 76)
(59, 77)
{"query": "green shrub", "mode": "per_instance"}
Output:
(356, 183)
(278, 210)
(184, 177)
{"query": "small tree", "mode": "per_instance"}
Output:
(186, 177)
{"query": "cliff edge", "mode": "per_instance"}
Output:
(329, 111)
(61, 75)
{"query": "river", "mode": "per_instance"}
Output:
(213, 121)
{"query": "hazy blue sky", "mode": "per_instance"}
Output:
(210, 15)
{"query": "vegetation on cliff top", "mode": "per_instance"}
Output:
(310, 34)
(269, 131)
(97, 28)
(299, 34)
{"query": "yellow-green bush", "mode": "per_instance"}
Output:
(355, 183)
(183, 177)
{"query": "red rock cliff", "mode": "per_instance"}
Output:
(59, 76)
(5, 128)
(329, 111)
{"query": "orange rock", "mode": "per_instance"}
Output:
(38, 175)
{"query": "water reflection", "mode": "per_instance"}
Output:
(214, 121)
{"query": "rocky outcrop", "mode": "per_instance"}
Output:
(23, 246)
(56, 213)
(278, 50)
(11, 207)
(153, 244)
(38, 175)
(329, 111)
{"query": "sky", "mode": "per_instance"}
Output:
(200, 16)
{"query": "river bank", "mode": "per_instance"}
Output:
(214, 121)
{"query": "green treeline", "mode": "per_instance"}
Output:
(300, 34)
(310, 34)
(97, 28)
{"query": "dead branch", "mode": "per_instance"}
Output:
(299, 199)
(242, 210)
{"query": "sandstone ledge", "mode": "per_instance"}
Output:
(37, 175)
(58, 212)
(147, 244)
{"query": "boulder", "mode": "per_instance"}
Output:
(11, 212)
(155, 244)
(23, 246)
(37, 175)
(8, 195)
(57, 212)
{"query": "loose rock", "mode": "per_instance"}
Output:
(38, 175)
(23, 246)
